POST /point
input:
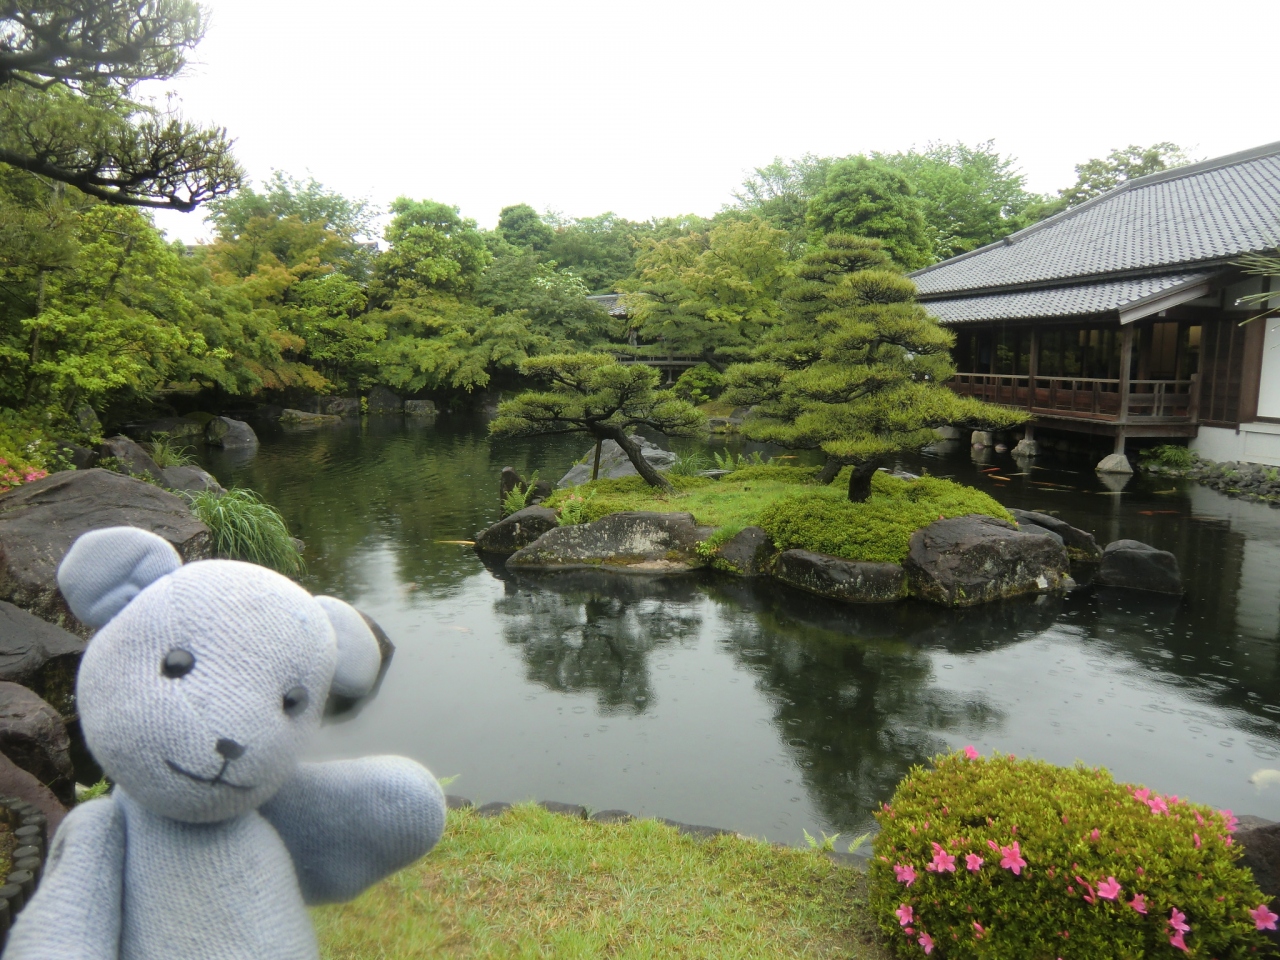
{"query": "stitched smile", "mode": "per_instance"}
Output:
(215, 781)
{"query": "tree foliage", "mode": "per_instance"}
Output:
(869, 199)
(431, 248)
(859, 369)
(521, 227)
(600, 250)
(1095, 177)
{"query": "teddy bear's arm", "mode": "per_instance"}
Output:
(75, 913)
(349, 823)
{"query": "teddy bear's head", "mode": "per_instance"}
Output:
(206, 681)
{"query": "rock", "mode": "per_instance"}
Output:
(614, 463)
(949, 433)
(189, 478)
(1029, 527)
(612, 816)
(345, 407)
(634, 542)
(748, 553)
(34, 737)
(301, 418)
(1026, 448)
(976, 559)
(176, 428)
(420, 408)
(1262, 856)
(495, 809)
(225, 432)
(982, 438)
(565, 809)
(696, 830)
(516, 531)
(40, 656)
(846, 580)
(40, 520)
(508, 481)
(1080, 544)
(1115, 463)
(132, 458)
(1138, 566)
(16, 782)
(87, 420)
(382, 400)
(541, 490)
(457, 803)
(81, 458)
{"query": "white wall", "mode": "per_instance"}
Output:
(1269, 388)
(1252, 443)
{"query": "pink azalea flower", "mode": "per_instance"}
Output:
(1178, 921)
(1011, 858)
(1199, 819)
(993, 845)
(1197, 838)
(905, 913)
(1109, 889)
(1177, 941)
(1263, 918)
(1232, 822)
(926, 941)
(973, 862)
(1095, 836)
(1089, 897)
(1142, 794)
(1158, 805)
(905, 873)
(970, 753)
(1139, 903)
(943, 862)
(978, 931)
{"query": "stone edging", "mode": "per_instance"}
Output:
(31, 838)
(854, 861)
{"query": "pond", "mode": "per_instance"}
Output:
(702, 699)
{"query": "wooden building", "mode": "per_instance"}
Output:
(1119, 317)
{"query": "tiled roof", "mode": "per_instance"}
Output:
(1204, 213)
(1090, 299)
(608, 302)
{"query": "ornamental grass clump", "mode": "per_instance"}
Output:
(1008, 859)
(246, 528)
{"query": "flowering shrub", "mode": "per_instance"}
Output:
(25, 453)
(1009, 859)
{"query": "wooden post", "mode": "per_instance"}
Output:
(1126, 360)
(1033, 365)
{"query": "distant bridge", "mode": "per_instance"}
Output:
(672, 364)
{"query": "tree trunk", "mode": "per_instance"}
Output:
(595, 470)
(829, 471)
(643, 466)
(860, 482)
(709, 355)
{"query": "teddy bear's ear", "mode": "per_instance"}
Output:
(105, 569)
(359, 658)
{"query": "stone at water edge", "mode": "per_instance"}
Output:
(516, 531)
(188, 478)
(1026, 448)
(1261, 842)
(421, 409)
(173, 428)
(1077, 541)
(39, 655)
(977, 559)
(615, 463)
(34, 737)
(1115, 463)
(225, 432)
(508, 481)
(382, 401)
(301, 418)
(982, 438)
(40, 520)
(748, 553)
(847, 580)
(133, 459)
(345, 407)
(637, 542)
(1133, 565)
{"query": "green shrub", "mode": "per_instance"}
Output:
(517, 497)
(1006, 859)
(878, 529)
(27, 452)
(166, 453)
(575, 508)
(727, 462)
(1169, 455)
(246, 528)
(699, 384)
(689, 465)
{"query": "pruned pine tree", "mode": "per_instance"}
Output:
(858, 370)
(595, 394)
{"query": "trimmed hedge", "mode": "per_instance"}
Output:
(1007, 859)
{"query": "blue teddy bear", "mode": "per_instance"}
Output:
(197, 696)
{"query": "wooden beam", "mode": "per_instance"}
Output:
(1255, 334)
(1126, 360)
(1033, 365)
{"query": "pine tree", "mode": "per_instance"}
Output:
(858, 370)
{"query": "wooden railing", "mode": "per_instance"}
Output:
(1084, 397)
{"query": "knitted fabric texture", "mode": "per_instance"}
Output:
(197, 698)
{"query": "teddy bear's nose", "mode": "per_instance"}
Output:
(229, 749)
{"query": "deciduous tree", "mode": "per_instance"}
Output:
(869, 199)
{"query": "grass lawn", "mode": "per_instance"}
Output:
(795, 511)
(533, 884)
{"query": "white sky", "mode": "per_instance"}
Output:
(660, 108)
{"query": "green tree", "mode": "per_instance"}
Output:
(521, 227)
(601, 250)
(712, 293)
(780, 193)
(555, 301)
(68, 69)
(594, 394)
(432, 248)
(858, 371)
(869, 199)
(1095, 177)
(970, 196)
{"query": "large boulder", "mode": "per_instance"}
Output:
(1138, 566)
(1080, 544)
(748, 553)
(516, 531)
(615, 463)
(848, 580)
(421, 409)
(175, 428)
(189, 478)
(382, 400)
(34, 737)
(301, 418)
(1261, 842)
(346, 407)
(39, 655)
(635, 541)
(16, 782)
(976, 559)
(132, 459)
(39, 521)
(225, 432)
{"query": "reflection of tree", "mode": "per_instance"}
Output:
(592, 630)
(851, 685)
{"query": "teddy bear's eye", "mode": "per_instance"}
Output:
(295, 701)
(177, 663)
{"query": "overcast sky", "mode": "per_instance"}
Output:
(661, 108)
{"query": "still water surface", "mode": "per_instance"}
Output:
(703, 699)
